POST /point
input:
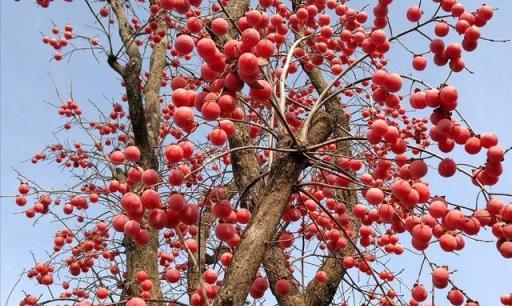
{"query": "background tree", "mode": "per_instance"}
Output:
(316, 154)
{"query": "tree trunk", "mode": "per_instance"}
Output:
(145, 122)
(250, 253)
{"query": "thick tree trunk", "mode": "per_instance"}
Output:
(142, 258)
(276, 268)
(322, 293)
(145, 122)
(251, 251)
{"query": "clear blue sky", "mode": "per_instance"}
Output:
(27, 124)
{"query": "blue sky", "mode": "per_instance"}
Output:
(27, 123)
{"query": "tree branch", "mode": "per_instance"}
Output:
(158, 63)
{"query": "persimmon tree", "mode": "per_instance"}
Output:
(265, 149)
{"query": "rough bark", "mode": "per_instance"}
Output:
(144, 257)
(152, 87)
(322, 293)
(276, 268)
(246, 168)
(250, 253)
(246, 171)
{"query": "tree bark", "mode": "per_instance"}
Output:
(250, 253)
(322, 293)
(276, 268)
(145, 257)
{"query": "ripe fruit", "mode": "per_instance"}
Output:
(250, 37)
(374, 195)
(206, 48)
(441, 29)
(243, 216)
(146, 285)
(265, 48)
(132, 228)
(174, 153)
(258, 288)
(225, 231)
(150, 177)
(248, 64)
(184, 118)
(197, 299)
(157, 219)
(23, 188)
(218, 137)
(219, 26)
(183, 97)
(449, 97)
(102, 293)
(419, 293)
(494, 206)
(227, 104)
(422, 233)
(505, 248)
(136, 302)
(488, 140)
(227, 126)
(172, 275)
(321, 276)
(118, 222)
(21, 200)
(472, 33)
(176, 177)
(130, 202)
(473, 145)
(104, 12)
(117, 157)
(448, 242)
(414, 13)
(393, 82)
(455, 297)
(210, 276)
(440, 277)
(438, 209)
(283, 287)
(378, 37)
(261, 92)
(495, 154)
(132, 153)
(419, 63)
(225, 259)
(188, 148)
(150, 199)
(177, 202)
(210, 111)
(418, 169)
(379, 127)
(184, 44)
(447, 167)
(401, 189)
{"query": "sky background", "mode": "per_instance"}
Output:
(28, 123)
